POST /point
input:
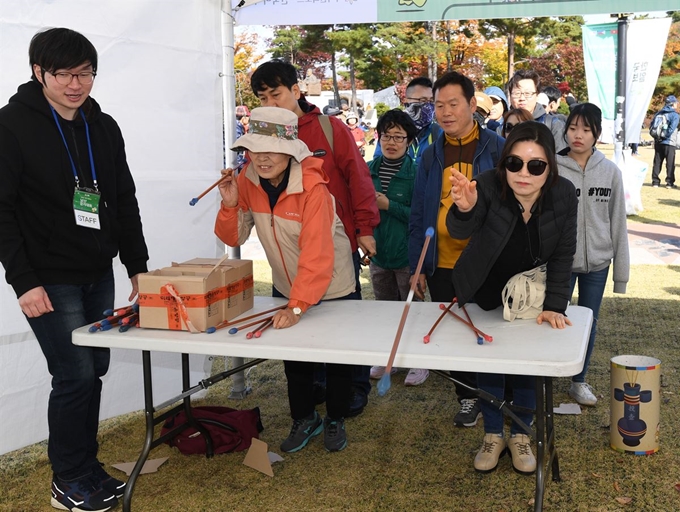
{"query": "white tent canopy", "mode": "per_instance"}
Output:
(158, 76)
(321, 12)
(164, 67)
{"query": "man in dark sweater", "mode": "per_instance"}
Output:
(67, 208)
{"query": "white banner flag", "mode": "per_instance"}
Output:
(646, 44)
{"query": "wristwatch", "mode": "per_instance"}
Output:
(297, 311)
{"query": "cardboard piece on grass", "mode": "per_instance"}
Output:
(567, 409)
(150, 466)
(259, 459)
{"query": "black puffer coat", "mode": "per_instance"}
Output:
(490, 225)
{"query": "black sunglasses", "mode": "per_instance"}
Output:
(509, 127)
(515, 164)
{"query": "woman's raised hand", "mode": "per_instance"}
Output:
(463, 191)
(229, 188)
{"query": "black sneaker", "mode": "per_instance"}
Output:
(107, 482)
(84, 495)
(301, 432)
(334, 436)
(357, 402)
(469, 413)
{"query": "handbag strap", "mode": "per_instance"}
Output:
(523, 291)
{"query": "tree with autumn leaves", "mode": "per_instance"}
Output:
(379, 55)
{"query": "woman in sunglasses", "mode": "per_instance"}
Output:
(513, 117)
(602, 232)
(518, 216)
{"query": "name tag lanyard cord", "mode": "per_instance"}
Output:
(68, 151)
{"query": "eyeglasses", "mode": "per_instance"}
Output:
(515, 164)
(522, 94)
(64, 78)
(396, 138)
(509, 126)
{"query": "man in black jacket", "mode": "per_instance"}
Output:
(67, 208)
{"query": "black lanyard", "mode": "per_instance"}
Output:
(89, 148)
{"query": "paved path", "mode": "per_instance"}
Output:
(650, 244)
(654, 244)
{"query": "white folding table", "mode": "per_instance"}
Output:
(362, 332)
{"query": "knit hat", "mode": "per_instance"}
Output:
(670, 100)
(273, 130)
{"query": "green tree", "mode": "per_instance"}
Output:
(286, 43)
(353, 40)
(519, 30)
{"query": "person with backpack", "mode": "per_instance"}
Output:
(523, 89)
(664, 131)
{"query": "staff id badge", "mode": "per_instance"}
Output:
(86, 208)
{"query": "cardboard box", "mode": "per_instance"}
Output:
(238, 278)
(206, 294)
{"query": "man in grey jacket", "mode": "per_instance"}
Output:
(523, 88)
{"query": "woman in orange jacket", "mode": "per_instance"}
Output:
(282, 193)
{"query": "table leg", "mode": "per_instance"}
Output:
(149, 416)
(540, 444)
(186, 384)
(550, 429)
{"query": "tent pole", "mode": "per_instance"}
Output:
(239, 389)
(620, 119)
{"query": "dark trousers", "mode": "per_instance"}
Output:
(338, 379)
(300, 377)
(663, 152)
(361, 382)
(73, 407)
(441, 290)
(361, 375)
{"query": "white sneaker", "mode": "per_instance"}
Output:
(582, 393)
(378, 371)
(416, 377)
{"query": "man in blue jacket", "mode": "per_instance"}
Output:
(664, 148)
(419, 105)
(471, 149)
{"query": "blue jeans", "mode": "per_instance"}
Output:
(73, 407)
(590, 292)
(524, 395)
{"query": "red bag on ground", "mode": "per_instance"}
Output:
(231, 430)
